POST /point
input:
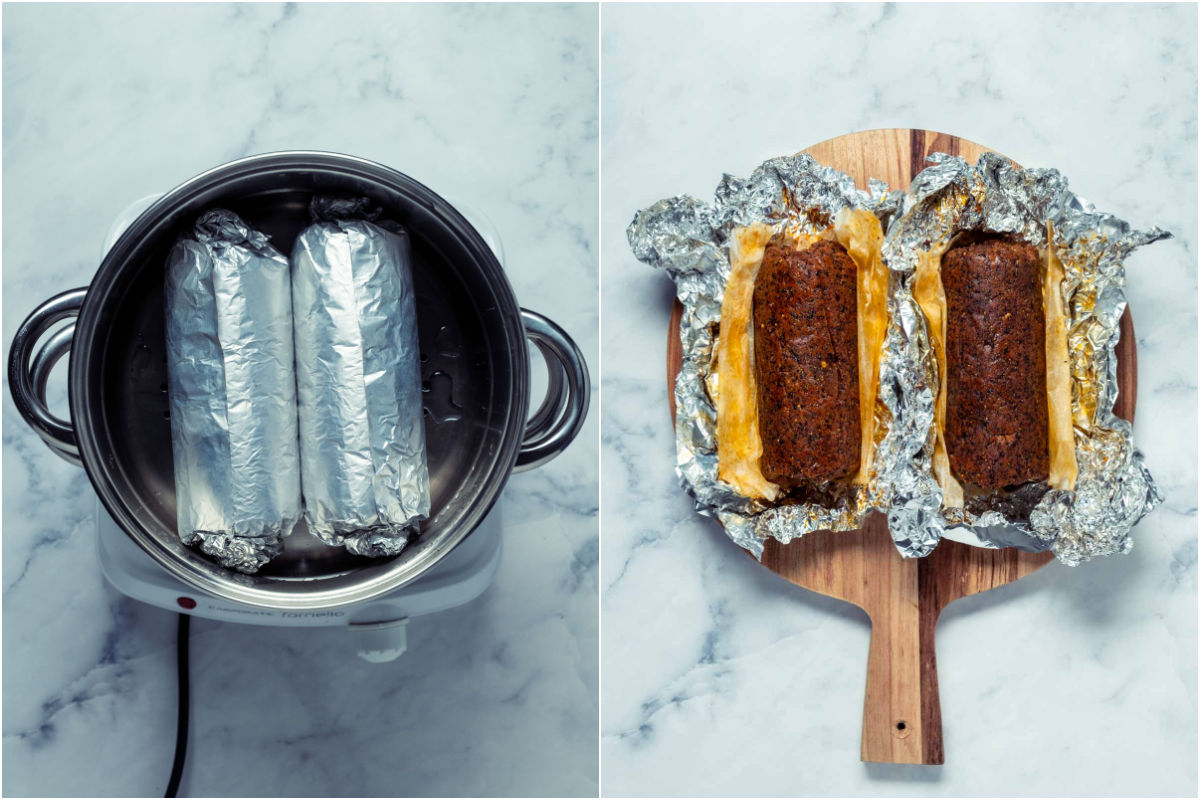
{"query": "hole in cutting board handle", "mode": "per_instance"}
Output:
(901, 725)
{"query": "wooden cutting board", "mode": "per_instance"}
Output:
(902, 718)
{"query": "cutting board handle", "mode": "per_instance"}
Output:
(902, 717)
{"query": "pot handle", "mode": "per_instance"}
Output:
(560, 416)
(28, 372)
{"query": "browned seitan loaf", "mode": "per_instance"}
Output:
(996, 416)
(806, 363)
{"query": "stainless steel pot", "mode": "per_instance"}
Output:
(474, 364)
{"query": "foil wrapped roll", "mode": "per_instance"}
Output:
(362, 432)
(1113, 488)
(232, 390)
(689, 240)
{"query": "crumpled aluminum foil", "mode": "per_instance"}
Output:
(1113, 489)
(232, 391)
(358, 370)
(689, 239)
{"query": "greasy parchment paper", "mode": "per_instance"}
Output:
(690, 240)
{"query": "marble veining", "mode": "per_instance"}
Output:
(495, 105)
(720, 678)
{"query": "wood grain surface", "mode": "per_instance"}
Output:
(902, 720)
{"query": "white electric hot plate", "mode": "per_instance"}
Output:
(377, 628)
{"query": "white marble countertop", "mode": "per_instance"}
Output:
(105, 104)
(718, 677)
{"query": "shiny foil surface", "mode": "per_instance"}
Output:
(362, 432)
(1113, 489)
(689, 239)
(232, 390)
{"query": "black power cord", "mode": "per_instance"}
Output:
(181, 731)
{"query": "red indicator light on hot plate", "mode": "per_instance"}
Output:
(185, 602)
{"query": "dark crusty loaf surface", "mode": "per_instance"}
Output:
(996, 409)
(806, 363)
